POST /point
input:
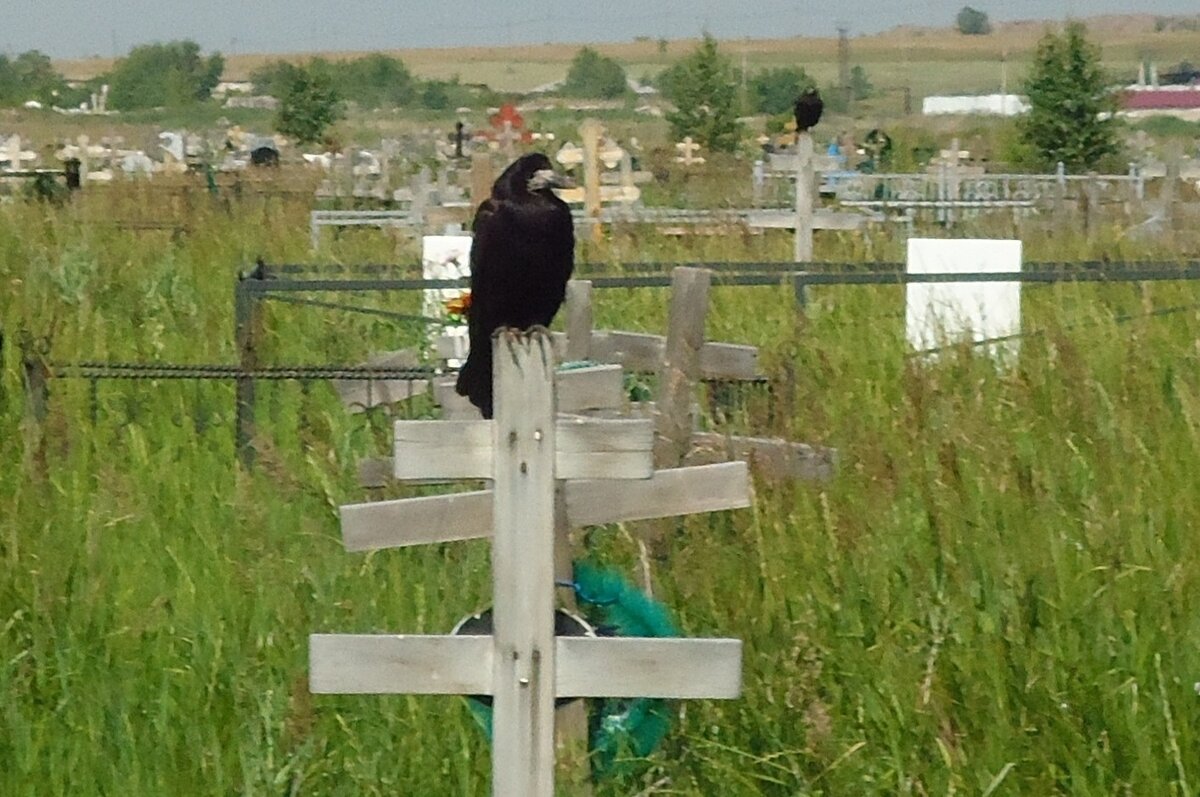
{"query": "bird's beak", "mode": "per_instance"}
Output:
(548, 178)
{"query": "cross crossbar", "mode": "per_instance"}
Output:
(465, 516)
(588, 448)
(585, 666)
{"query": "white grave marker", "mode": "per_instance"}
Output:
(938, 313)
(445, 257)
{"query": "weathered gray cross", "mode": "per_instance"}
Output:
(804, 219)
(604, 474)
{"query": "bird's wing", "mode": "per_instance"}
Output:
(486, 271)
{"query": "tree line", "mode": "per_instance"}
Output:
(1070, 121)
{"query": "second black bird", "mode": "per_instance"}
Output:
(521, 258)
(808, 109)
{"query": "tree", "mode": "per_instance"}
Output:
(594, 75)
(775, 90)
(375, 81)
(860, 85)
(972, 22)
(703, 87)
(30, 76)
(274, 78)
(309, 105)
(158, 75)
(434, 95)
(1070, 117)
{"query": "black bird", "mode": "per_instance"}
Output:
(808, 109)
(521, 258)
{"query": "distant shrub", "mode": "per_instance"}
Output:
(973, 22)
(594, 75)
(774, 90)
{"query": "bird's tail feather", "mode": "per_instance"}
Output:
(475, 382)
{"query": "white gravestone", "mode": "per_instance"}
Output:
(941, 313)
(446, 257)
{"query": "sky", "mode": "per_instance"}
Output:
(79, 28)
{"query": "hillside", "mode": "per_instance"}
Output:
(905, 56)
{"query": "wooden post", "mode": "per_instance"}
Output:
(1170, 187)
(579, 319)
(1060, 195)
(803, 251)
(247, 317)
(37, 399)
(952, 184)
(523, 440)
(590, 130)
(482, 177)
(420, 197)
(570, 721)
(1091, 217)
(673, 423)
(572, 730)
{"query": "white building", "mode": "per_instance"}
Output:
(993, 104)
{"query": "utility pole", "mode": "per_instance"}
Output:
(844, 63)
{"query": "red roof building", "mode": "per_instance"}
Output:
(1173, 100)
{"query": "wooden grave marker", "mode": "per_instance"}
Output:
(531, 457)
(804, 219)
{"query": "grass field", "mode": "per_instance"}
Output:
(993, 597)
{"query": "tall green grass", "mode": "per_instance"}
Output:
(994, 596)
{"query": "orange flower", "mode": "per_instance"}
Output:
(460, 305)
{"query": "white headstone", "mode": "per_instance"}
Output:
(446, 257)
(940, 313)
(172, 143)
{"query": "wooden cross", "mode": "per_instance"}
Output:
(689, 149)
(804, 219)
(538, 463)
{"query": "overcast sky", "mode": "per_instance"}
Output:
(73, 28)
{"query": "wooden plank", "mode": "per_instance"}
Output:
(674, 668)
(579, 389)
(376, 664)
(464, 516)
(728, 361)
(645, 667)
(595, 448)
(595, 387)
(523, 437)
(633, 350)
(579, 321)
(680, 369)
(641, 352)
(821, 220)
(588, 448)
(443, 450)
(454, 407)
(679, 491)
(776, 460)
(416, 521)
(789, 161)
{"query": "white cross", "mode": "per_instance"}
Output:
(689, 149)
